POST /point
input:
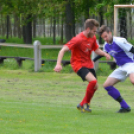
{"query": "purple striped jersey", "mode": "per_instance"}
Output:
(119, 49)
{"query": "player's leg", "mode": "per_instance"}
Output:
(129, 68)
(131, 77)
(114, 78)
(91, 87)
(89, 75)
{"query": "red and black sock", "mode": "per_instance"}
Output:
(89, 92)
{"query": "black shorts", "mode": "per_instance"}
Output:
(84, 71)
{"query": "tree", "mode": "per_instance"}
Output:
(8, 24)
(69, 20)
(27, 31)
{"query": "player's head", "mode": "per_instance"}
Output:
(106, 33)
(90, 27)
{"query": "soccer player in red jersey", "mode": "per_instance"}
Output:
(81, 48)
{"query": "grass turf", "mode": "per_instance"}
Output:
(45, 103)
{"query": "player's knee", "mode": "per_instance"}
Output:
(131, 76)
(105, 85)
(94, 83)
(96, 86)
(132, 81)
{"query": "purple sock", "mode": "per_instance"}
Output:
(113, 92)
(124, 104)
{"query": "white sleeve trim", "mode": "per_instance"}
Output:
(124, 44)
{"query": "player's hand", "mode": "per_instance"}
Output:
(108, 57)
(58, 68)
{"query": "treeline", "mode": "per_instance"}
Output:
(19, 18)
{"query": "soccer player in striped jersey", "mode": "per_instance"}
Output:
(123, 53)
(81, 48)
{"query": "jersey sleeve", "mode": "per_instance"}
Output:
(124, 44)
(72, 43)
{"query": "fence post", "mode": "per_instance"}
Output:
(96, 64)
(37, 55)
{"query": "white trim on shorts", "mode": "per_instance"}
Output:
(122, 72)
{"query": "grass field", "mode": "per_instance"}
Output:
(45, 103)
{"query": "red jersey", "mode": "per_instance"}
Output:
(81, 48)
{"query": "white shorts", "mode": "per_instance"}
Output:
(123, 71)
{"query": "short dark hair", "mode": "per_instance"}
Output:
(103, 29)
(91, 23)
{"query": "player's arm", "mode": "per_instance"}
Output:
(102, 54)
(99, 55)
(58, 66)
(125, 45)
(97, 58)
(112, 64)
